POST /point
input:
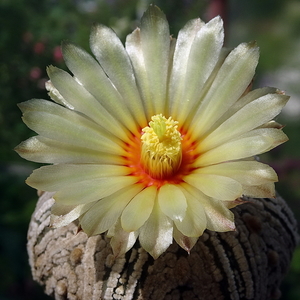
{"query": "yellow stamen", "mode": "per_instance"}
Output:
(161, 147)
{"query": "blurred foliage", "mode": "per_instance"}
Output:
(31, 32)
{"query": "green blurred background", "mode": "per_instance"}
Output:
(30, 35)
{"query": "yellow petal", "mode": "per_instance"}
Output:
(172, 201)
(219, 217)
(194, 222)
(62, 215)
(138, 209)
(245, 172)
(205, 51)
(82, 101)
(216, 186)
(135, 52)
(155, 45)
(56, 177)
(185, 242)
(115, 61)
(90, 74)
(55, 95)
(121, 241)
(58, 123)
(244, 100)
(105, 213)
(177, 84)
(238, 67)
(253, 143)
(44, 150)
(156, 235)
(266, 190)
(247, 118)
(92, 190)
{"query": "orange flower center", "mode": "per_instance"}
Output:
(161, 154)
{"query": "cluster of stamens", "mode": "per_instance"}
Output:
(161, 147)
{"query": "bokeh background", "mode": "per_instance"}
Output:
(30, 35)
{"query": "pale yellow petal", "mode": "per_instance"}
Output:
(247, 118)
(44, 150)
(58, 123)
(105, 213)
(82, 101)
(215, 186)
(121, 240)
(149, 49)
(239, 66)
(245, 172)
(253, 143)
(244, 100)
(179, 69)
(172, 201)
(138, 209)
(92, 190)
(234, 203)
(219, 217)
(56, 177)
(194, 111)
(185, 242)
(266, 190)
(62, 215)
(194, 222)
(55, 95)
(135, 52)
(272, 124)
(90, 74)
(156, 235)
(155, 44)
(202, 58)
(113, 58)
